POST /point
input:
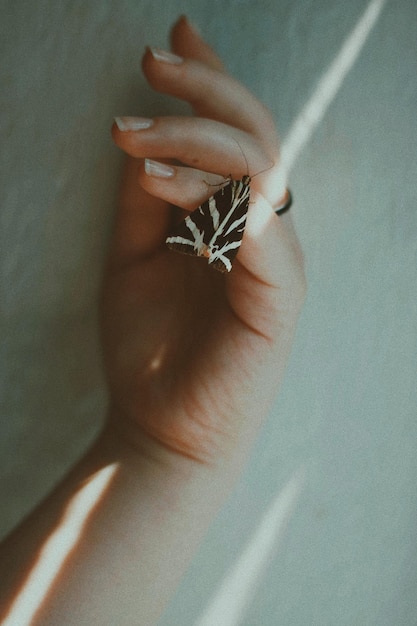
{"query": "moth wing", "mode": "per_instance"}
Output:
(194, 233)
(232, 204)
(185, 237)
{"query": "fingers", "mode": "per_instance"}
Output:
(213, 94)
(234, 135)
(181, 186)
(202, 143)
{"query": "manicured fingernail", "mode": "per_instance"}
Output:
(133, 123)
(166, 57)
(160, 170)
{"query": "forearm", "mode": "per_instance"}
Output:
(112, 542)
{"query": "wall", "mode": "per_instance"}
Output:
(347, 411)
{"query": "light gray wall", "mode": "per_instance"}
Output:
(347, 411)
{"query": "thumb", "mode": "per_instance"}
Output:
(267, 285)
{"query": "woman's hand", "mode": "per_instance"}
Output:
(194, 357)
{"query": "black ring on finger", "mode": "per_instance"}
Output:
(287, 204)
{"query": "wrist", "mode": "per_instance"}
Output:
(124, 441)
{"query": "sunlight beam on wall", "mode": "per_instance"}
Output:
(57, 547)
(238, 586)
(313, 112)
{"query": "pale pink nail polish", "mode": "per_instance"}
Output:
(160, 170)
(133, 123)
(165, 56)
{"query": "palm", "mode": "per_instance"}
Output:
(165, 318)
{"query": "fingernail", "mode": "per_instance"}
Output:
(160, 170)
(133, 123)
(166, 57)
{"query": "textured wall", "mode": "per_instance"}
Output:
(347, 412)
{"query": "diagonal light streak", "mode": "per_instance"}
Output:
(313, 112)
(237, 588)
(57, 548)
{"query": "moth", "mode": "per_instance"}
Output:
(214, 230)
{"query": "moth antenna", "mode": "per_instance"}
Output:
(243, 154)
(265, 170)
(247, 164)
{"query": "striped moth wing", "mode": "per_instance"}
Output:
(215, 229)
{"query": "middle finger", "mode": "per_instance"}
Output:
(200, 143)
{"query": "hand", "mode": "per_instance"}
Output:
(194, 357)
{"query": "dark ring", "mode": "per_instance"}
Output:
(284, 207)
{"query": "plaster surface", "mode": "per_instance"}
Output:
(347, 410)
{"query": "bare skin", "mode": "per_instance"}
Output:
(193, 358)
